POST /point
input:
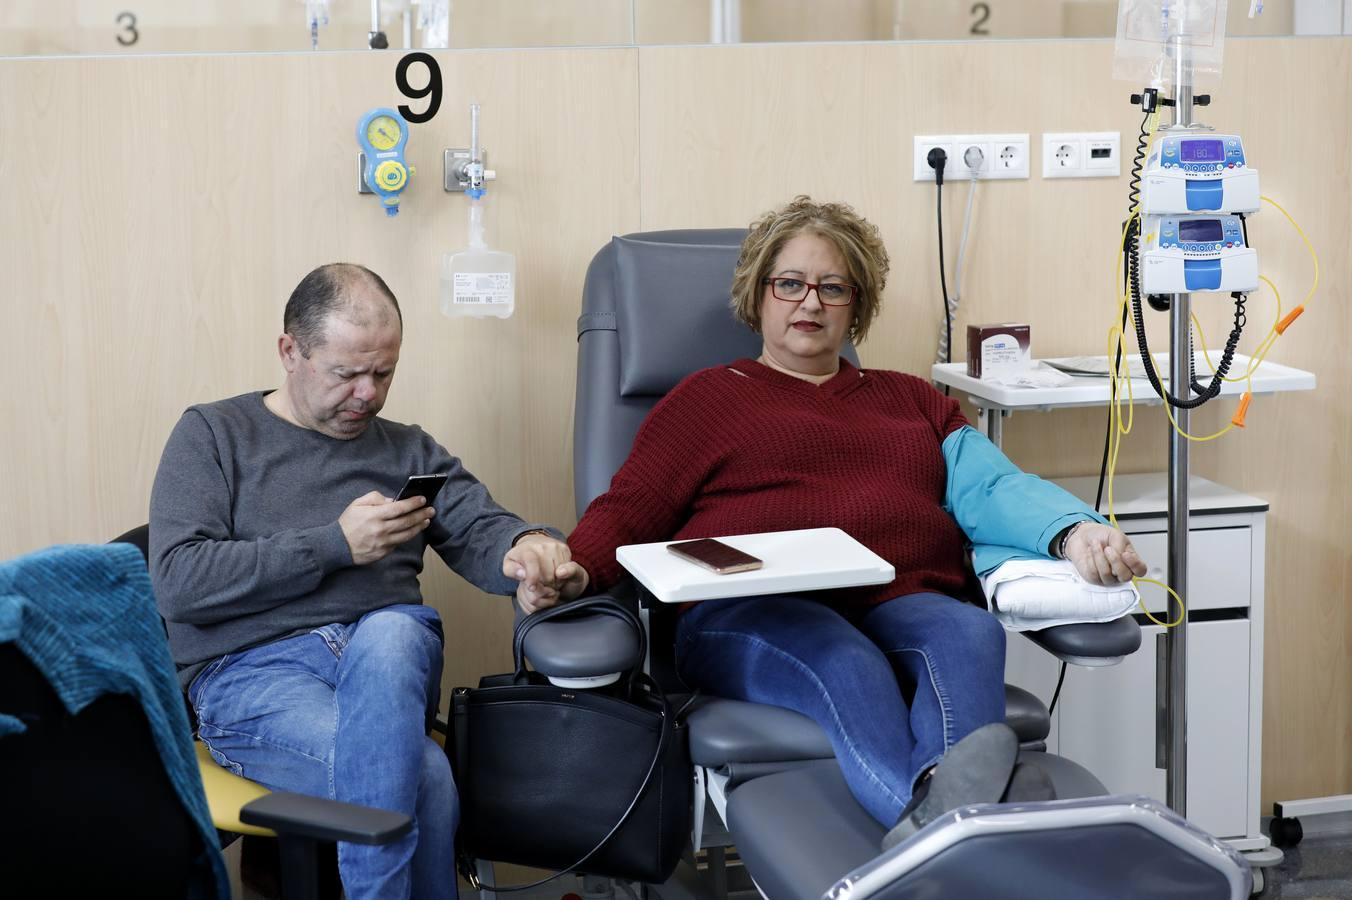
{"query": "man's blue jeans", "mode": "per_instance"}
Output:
(341, 712)
(894, 686)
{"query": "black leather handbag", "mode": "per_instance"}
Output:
(596, 781)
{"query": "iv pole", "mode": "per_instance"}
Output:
(1180, 383)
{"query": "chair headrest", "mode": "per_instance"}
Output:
(668, 295)
(672, 307)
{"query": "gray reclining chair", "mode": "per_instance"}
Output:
(656, 308)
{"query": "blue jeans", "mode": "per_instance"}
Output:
(341, 712)
(894, 686)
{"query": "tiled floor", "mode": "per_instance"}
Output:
(1319, 868)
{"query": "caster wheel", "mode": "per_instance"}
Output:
(1257, 883)
(1285, 832)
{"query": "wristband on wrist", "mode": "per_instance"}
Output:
(1065, 536)
(518, 538)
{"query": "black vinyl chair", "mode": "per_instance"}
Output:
(92, 781)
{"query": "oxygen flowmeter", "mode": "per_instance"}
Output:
(382, 134)
(1198, 172)
(1183, 254)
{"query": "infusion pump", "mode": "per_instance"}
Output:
(1184, 254)
(1198, 172)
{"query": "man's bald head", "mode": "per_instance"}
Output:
(350, 291)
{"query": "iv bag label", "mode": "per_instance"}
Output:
(482, 288)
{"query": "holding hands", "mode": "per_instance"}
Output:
(1101, 554)
(543, 565)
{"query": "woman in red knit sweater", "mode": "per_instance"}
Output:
(899, 676)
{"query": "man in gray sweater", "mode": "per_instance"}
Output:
(289, 579)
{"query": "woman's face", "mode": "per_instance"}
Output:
(805, 337)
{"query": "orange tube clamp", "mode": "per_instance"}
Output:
(1291, 317)
(1238, 418)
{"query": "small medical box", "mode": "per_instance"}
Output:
(998, 349)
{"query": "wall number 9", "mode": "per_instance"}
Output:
(432, 90)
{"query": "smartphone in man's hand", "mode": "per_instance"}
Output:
(427, 486)
(715, 556)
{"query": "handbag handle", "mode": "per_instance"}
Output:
(663, 741)
(601, 605)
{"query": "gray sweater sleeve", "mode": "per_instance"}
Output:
(201, 576)
(471, 532)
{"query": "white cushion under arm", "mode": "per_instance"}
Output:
(1029, 594)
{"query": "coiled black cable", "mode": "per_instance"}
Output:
(1137, 161)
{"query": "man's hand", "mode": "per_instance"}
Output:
(545, 570)
(374, 524)
(1102, 554)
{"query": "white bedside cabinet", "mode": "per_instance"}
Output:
(1110, 720)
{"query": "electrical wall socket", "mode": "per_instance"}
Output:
(1083, 154)
(1002, 156)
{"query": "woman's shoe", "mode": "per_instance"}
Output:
(1028, 784)
(976, 770)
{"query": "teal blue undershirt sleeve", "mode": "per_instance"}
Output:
(1005, 512)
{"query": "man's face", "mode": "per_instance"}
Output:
(342, 385)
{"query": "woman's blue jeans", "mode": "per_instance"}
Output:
(341, 712)
(893, 686)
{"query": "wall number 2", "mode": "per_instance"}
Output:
(130, 35)
(982, 12)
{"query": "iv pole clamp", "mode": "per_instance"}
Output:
(375, 38)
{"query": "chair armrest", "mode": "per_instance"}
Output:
(322, 819)
(582, 646)
(1090, 643)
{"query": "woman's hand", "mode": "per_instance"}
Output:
(1102, 554)
(545, 570)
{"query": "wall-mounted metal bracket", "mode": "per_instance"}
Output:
(362, 187)
(454, 163)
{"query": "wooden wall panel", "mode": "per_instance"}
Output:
(152, 240)
(173, 202)
(1294, 451)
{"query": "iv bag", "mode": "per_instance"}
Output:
(1150, 34)
(477, 281)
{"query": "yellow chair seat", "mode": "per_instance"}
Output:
(226, 793)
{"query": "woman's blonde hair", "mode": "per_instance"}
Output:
(854, 237)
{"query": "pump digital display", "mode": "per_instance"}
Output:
(1202, 151)
(1200, 230)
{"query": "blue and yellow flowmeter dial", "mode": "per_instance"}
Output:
(382, 135)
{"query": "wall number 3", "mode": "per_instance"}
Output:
(130, 35)
(982, 12)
